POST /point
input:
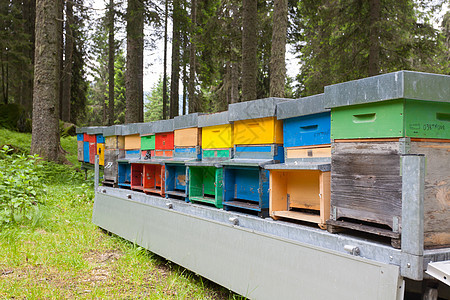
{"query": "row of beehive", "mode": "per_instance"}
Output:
(226, 159)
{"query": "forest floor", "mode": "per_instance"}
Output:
(62, 254)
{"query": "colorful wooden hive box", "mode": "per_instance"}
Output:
(300, 187)
(114, 150)
(96, 144)
(205, 176)
(375, 124)
(258, 139)
(187, 147)
(148, 173)
(80, 144)
(132, 149)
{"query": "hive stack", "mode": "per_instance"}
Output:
(300, 188)
(132, 146)
(80, 143)
(114, 150)
(187, 144)
(152, 168)
(375, 123)
(205, 176)
(258, 140)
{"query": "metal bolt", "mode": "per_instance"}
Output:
(391, 258)
(408, 265)
(129, 196)
(234, 220)
(169, 205)
(104, 191)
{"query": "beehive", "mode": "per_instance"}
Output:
(206, 184)
(255, 122)
(246, 182)
(217, 136)
(300, 188)
(153, 180)
(137, 171)
(80, 143)
(124, 174)
(187, 141)
(366, 179)
(114, 150)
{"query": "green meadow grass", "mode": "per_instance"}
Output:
(63, 255)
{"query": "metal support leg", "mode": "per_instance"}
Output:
(97, 173)
(412, 224)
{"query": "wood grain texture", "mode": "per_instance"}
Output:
(366, 185)
(305, 153)
(188, 137)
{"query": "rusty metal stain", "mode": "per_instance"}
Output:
(181, 179)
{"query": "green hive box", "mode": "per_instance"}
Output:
(148, 142)
(394, 118)
(400, 104)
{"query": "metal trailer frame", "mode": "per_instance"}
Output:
(264, 259)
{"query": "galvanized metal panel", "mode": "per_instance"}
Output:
(263, 266)
(304, 106)
(186, 121)
(397, 85)
(412, 239)
(113, 130)
(426, 86)
(95, 129)
(145, 128)
(215, 119)
(162, 126)
(261, 108)
(301, 165)
(81, 130)
(129, 129)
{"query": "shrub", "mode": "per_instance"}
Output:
(20, 186)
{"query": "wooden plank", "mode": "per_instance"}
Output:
(258, 131)
(220, 136)
(437, 192)
(187, 137)
(305, 152)
(132, 142)
(325, 195)
(365, 228)
(369, 182)
(298, 216)
(365, 140)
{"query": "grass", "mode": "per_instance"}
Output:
(64, 255)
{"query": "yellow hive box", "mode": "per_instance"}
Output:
(258, 131)
(188, 137)
(219, 136)
(132, 142)
(101, 154)
(114, 142)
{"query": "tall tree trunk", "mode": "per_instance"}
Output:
(111, 54)
(185, 88)
(134, 66)
(60, 20)
(175, 77)
(234, 82)
(278, 51)
(166, 23)
(193, 107)
(374, 48)
(249, 49)
(29, 16)
(45, 135)
(68, 63)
